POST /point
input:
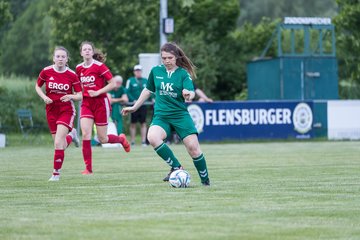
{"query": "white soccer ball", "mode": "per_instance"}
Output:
(179, 179)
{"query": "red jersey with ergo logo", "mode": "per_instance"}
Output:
(93, 77)
(58, 83)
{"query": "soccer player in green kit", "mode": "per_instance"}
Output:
(172, 85)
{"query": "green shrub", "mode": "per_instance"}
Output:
(19, 93)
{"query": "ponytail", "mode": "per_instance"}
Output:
(181, 59)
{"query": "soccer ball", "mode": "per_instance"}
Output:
(179, 179)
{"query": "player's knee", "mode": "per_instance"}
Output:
(58, 144)
(194, 151)
(151, 139)
(86, 134)
(103, 139)
(154, 140)
(193, 148)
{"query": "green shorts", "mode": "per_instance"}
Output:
(183, 125)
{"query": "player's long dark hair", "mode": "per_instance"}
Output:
(181, 59)
(98, 54)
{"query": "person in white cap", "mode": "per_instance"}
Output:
(134, 87)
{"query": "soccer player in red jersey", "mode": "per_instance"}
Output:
(60, 81)
(95, 107)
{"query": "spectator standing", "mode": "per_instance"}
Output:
(118, 97)
(134, 87)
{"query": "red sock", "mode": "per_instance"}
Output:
(115, 139)
(68, 140)
(87, 154)
(58, 158)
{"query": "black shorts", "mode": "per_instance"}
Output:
(139, 115)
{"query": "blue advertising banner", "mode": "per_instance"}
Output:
(231, 120)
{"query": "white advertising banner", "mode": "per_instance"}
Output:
(343, 120)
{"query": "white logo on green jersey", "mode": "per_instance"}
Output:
(167, 86)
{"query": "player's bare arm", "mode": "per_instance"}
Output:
(75, 97)
(188, 95)
(110, 86)
(145, 94)
(41, 94)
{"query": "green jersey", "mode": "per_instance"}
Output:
(168, 87)
(134, 87)
(116, 107)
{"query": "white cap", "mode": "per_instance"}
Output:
(137, 67)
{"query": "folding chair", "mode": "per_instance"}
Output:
(25, 121)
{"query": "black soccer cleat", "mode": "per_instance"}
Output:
(206, 183)
(166, 179)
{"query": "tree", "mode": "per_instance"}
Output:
(348, 45)
(5, 14)
(126, 28)
(25, 47)
(10, 10)
(207, 30)
(120, 28)
(202, 29)
(244, 44)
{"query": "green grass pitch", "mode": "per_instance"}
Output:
(266, 190)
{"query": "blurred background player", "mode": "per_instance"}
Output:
(95, 107)
(118, 97)
(60, 82)
(202, 97)
(134, 87)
